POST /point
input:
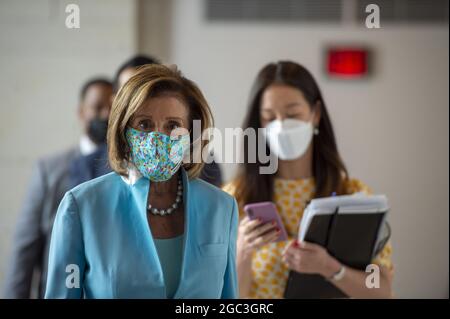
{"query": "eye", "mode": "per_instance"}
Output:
(294, 116)
(145, 125)
(172, 125)
(267, 119)
(267, 115)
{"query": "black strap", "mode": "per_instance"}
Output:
(331, 226)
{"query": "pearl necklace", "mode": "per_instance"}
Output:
(173, 207)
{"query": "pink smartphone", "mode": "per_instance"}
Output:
(267, 212)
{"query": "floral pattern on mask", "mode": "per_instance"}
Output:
(156, 155)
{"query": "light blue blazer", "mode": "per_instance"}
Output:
(101, 233)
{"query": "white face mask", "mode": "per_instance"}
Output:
(289, 139)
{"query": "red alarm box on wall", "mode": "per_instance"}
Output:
(347, 62)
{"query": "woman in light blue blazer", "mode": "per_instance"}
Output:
(150, 229)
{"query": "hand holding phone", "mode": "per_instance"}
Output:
(266, 212)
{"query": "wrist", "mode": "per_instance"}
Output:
(332, 267)
(244, 255)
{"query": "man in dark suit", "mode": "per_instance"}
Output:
(52, 177)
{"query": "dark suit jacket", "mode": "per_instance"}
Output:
(85, 168)
(211, 173)
(49, 182)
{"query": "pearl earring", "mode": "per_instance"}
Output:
(316, 131)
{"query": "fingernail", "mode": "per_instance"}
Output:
(274, 223)
(296, 244)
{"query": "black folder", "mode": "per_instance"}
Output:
(353, 238)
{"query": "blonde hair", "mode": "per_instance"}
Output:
(152, 81)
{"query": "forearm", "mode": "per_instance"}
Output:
(354, 285)
(311, 258)
(244, 270)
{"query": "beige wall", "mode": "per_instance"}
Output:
(154, 25)
(392, 129)
(43, 65)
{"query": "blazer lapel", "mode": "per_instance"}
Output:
(188, 244)
(139, 192)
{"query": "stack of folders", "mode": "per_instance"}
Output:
(351, 228)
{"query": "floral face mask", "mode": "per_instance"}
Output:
(156, 155)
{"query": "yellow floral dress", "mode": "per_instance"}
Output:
(269, 273)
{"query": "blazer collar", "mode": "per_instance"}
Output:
(134, 175)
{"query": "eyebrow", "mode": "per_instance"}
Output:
(138, 116)
(289, 105)
(174, 118)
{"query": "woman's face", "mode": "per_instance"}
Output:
(165, 114)
(279, 102)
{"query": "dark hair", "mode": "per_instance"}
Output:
(134, 62)
(329, 170)
(91, 82)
